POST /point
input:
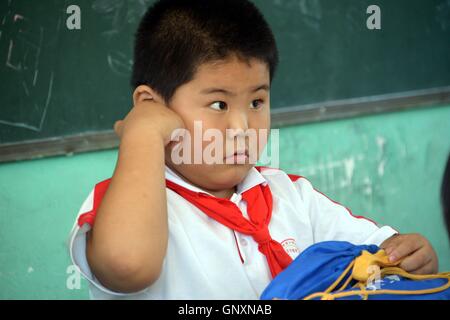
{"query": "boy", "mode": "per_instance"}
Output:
(218, 231)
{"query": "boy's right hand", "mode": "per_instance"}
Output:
(149, 117)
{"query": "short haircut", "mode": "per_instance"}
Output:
(175, 37)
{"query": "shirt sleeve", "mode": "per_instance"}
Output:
(332, 221)
(77, 245)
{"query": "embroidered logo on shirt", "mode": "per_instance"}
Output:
(290, 247)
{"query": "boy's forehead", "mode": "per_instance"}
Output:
(232, 73)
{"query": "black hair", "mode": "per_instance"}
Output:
(175, 37)
(445, 195)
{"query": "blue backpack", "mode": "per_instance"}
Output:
(340, 270)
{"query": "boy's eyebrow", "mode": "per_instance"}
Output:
(229, 93)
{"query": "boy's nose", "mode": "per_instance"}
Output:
(237, 123)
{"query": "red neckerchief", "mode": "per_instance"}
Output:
(259, 208)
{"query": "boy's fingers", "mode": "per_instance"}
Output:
(390, 244)
(403, 249)
(415, 261)
(426, 269)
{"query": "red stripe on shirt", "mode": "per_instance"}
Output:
(99, 192)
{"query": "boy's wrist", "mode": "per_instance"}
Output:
(142, 138)
(138, 149)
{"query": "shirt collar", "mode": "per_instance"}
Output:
(253, 178)
(176, 178)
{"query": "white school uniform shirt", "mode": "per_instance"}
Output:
(207, 260)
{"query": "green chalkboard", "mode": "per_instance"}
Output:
(328, 53)
(57, 83)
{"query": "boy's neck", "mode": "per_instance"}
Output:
(224, 194)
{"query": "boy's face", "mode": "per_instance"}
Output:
(227, 94)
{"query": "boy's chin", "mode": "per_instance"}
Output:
(215, 177)
(234, 173)
(227, 176)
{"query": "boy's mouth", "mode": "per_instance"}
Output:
(240, 156)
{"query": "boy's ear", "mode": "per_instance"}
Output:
(143, 93)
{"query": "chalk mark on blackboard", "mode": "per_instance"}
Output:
(27, 92)
(8, 57)
(119, 63)
(47, 102)
(38, 53)
(3, 23)
(21, 62)
(19, 125)
(119, 14)
(44, 113)
(11, 47)
(17, 17)
(113, 10)
(36, 72)
(312, 12)
(23, 50)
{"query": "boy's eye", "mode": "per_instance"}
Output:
(256, 104)
(219, 105)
